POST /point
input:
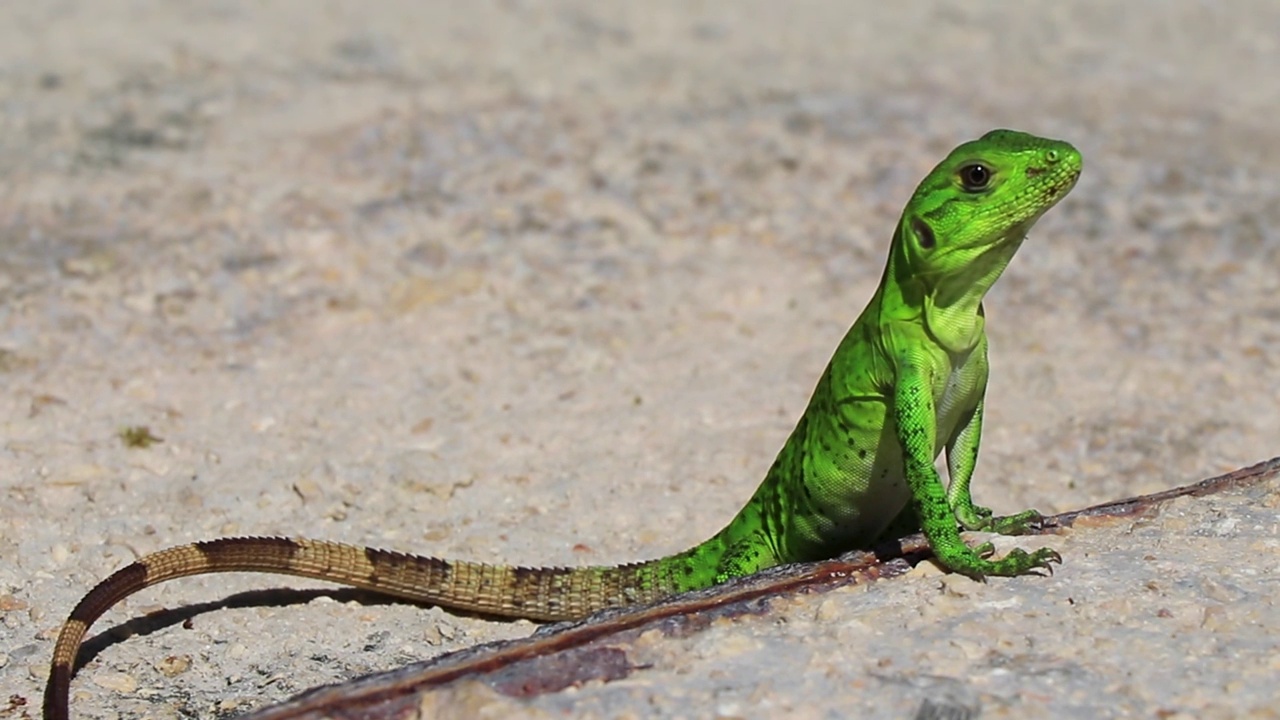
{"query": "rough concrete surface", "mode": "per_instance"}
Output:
(549, 282)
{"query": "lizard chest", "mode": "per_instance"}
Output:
(954, 395)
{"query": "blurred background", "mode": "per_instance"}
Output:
(549, 282)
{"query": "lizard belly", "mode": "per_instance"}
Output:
(952, 403)
(855, 482)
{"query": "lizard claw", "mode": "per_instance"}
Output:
(1045, 558)
(1042, 559)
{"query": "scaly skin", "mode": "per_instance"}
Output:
(906, 382)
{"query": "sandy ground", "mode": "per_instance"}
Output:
(548, 283)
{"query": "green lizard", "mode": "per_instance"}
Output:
(906, 382)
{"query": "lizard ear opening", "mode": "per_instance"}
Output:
(924, 233)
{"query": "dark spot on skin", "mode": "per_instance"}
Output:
(924, 233)
(862, 454)
(390, 559)
(688, 570)
(525, 576)
(229, 550)
(61, 676)
(845, 426)
(131, 578)
(1034, 171)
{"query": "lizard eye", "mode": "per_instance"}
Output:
(975, 177)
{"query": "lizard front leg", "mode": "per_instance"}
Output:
(962, 458)
(914, 415)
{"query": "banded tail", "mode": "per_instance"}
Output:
(545, 594)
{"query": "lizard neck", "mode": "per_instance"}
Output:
(953, 307)
(950, 307)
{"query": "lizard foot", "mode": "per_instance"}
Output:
(1018, 561)
(1019, 524)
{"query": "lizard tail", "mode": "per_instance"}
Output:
(534, 593)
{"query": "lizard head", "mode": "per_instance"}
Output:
(965, 222)
(982, 198)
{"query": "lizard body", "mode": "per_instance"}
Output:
(905, 384)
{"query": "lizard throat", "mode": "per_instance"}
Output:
(952, 304)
